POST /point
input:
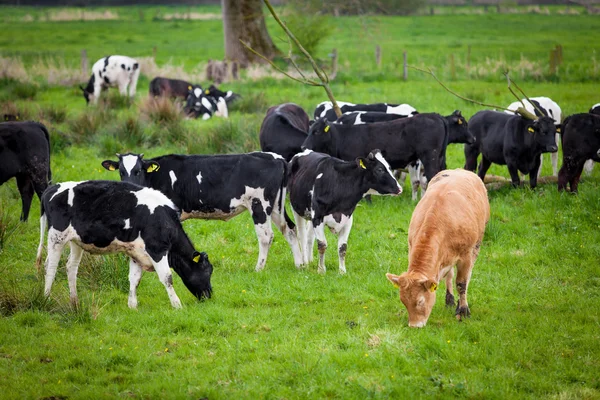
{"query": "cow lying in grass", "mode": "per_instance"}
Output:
(199, 104)
(118, 217)
(446, 229)
(110, 71)
(175, 88)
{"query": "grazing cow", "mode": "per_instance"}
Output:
(25, 155)
(325, 110)
(549, 109)
(581, 142)
(176, 88)
(446, 229)
(510, 140)
(325, 191)
(111, 71)
(119, 217)
(220, 187)
(367, 117)
(423, 137)
(200, 104)
(284, 129)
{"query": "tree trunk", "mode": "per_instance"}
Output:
(244, 19)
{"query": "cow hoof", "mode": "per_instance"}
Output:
(449, 300)
(462, 312)
(342, 271)
(321, 270)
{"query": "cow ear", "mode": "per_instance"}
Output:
(361, 162)
(199, 257)
(531, 129)
(430, 285)
(457, 113)
(110, 165)
(151, 166)
(395, 279)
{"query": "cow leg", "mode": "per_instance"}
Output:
(310, 240)
(97, 91)
(319, 230)
(55, 248)
(471, 154)
(449, 288)
(343, 234)
(589, 166)
(483, 167)
(415, 179)
(574, 180)
(25, 186)
(135, 276)
(133, 82)
(163, 270)
(72, 266)
(539, 170)
(514, 175)
(289, 231)
(464, 268)
(264, 233)
(535, 172)
(123, 88)
(301, 228)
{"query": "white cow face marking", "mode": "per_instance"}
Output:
(66, 186)
(320, 176)
(197, 92)
(173, 178)
(127, 224)
(129, 162)
(152, 199)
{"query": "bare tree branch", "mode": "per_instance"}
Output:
(524, 95)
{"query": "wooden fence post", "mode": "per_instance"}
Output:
(84, 62)
(405, 72)
(378, 56)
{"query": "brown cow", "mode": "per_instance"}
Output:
(446, 229)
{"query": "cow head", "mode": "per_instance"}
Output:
(195, 272)
(132, 168)
(320, 137)
(215, 93)
(458, 129)
(417, 293)
(199, 103)
(88, 91)
(379, 174)
(543, 131)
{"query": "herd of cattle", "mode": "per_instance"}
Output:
(325, 165)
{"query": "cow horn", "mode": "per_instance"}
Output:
(118, 155)
(141, 155)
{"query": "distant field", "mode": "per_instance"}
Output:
(283, 333)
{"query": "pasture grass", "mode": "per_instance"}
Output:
(287, 333)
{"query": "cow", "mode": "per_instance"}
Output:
(220, 187)
(588, 167)
(325, 110)
(25, 155)
(198, 104)
(325, 190)
(216, 93)
(446, 229)
(510, 140)
(550, 109)
(119, 217)
(166, 87)
(111, 71)
(423, 137)
(284, 129)
(580, 142)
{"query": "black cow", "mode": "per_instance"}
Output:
(25, 154)
(367, 117)
(118, 217)
(220, 187)
(176, 88)
(284, 129)
(581, 142)
(325, 109)
(423, 137)
(200, 104)
(510, 140)
(325, 191)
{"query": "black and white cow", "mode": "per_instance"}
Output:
(284, 129)
(549, 109)
(220, 187)
(167, 87)
(199, 104)
(216, 93)
(119, 217)
(423, 137)
(581, 143)
(325, 190)
(367, 117)
(25, 155)
(510, 140)
(110, 71)
(325, 109)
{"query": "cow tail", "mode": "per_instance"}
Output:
(446, 139)
(47, 135)
(282, 191)
(43, 223)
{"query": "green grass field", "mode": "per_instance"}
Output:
(284, 333)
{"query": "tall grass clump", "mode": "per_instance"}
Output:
(84, 127)
(22, 111)
(12, 89)
(55, 113)
(14, 298)
(250, 103)
(228, 136)
(161, 109)
(9, 223)
(105, 272)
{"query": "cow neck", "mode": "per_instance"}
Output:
(181, 248)
(424, 256)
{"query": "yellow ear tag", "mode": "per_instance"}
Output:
(460, 121)
(362, 164)
(189, 88)
(197, 258)
(17, 117)
(207, 91)
(396, 285)
(326, 129)
(111, 167)
(152, 168)
(530, 129)
(433, 287)
(558, 130)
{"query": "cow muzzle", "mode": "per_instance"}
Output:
(552, 148)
